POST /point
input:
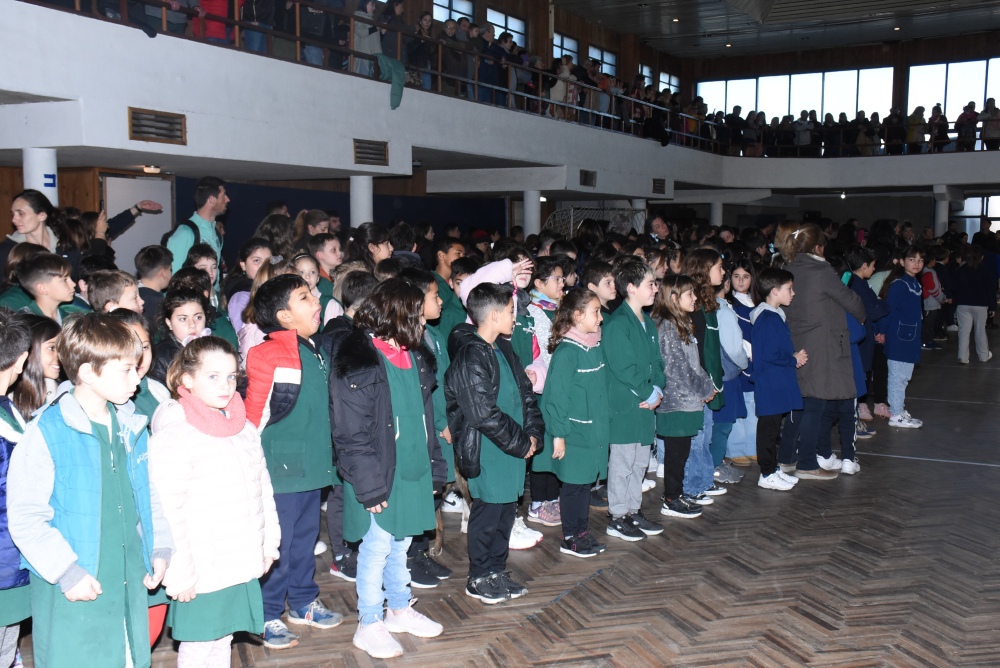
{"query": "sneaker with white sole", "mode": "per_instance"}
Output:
(376, 641)
(788, 468)
(648, 484)
(678, 508)
(831, 463)
(653, 463)
(620, 527)
(345, 568)
(647, 526)
(410, 621)
(850, 467)
(453, 503)
(774, 481)
(863, 431)
(277, 635)
(904, 421)
(315, 614)
(521, 537)
(319, 548)
(787, 477)
(952, 328)
(659, 470)
(989, 356)
(547, 514)
(716, 490)
(864, 413)
(700, 499)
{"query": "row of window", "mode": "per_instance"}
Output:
(952, 85)
(562, 45)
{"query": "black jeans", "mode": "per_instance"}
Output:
(422, 543)
(843, 412)
(489, 536)
(675, 455)
(544, 486)
(574, 506)
(768, 432)
(335, 521)
(929, 330)
(880, 376)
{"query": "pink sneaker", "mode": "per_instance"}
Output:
(864, 413)
(882, 411)
(410, 621)
(547, 514)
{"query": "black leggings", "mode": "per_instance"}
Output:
(675, 455)
(574, 507)
(544, 486)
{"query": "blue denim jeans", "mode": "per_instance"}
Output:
(743, 437)
(312, 54)
(899, 377)
(699, 471)
(381, 564)
(844, 413)
(256, 41)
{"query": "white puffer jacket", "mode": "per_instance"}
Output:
(217, 497)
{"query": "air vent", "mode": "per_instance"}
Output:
(588, 179)
(659, 186)
(157, 126)
(368, 152)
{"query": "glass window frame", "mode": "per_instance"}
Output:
(505, 26)
(559, 43)
(601, 56)
(448, 7)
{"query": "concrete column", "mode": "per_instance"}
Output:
(362, 207)
(942, 210)
(715, 214)
(532, 212)
(39, 165)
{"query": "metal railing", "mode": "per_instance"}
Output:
(456, 69)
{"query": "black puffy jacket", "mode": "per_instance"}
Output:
(361, 417)
(471, 387)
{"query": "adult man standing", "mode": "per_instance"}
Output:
(210, 201)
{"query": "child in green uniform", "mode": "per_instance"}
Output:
(37, 384)
(83, 465)
(46, 277)
(15, 595)
(576, 415)
(446, 251)
(425, 572)
(147, 398)
(495, 425)
(207, 465)
(388, 455)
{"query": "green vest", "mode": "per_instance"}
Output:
(440, 349)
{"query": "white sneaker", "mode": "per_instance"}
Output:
(659, 470)
(989, 356)
(648, 484)
(790, 479)
(831, 463)
(850, 467)
(322, 506)
(319, 548)
(376, 641)
(410, 621)
(775, 482)
(453, 503)
(904, 421)
(652, 463)
(952, 328)
(521, 537)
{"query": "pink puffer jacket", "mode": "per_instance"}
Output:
(217, 497)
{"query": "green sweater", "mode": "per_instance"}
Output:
(635, 368)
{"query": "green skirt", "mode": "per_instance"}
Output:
(217, 614)
(158, 597)
(679, 423)
(15, 605)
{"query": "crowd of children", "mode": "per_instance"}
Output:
(169, 442)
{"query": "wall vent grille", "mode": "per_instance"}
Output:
(368, 152)
(659, 186)
(157, 126)
(588, 179)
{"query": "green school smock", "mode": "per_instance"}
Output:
(576, 408)
(65, 310)
(634, 368)
(223, 328)
(522, 339)
(410, 507)
(712, 357)
(92, 633)
(679, 423)
(299, 448)
(452, 311)
(501, 476)
(325, 288)
(439, 347)
(217, 614)
(15, 298)
(15, 603)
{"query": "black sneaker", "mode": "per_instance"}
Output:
(678, 508)
(596, 500)
(648, 527)
(421, 576)
(586, 535)
(700, 499)
(345, 568)
(580, 545)
(515, 589)
(622, 528)
(487, 589)
(440, 571)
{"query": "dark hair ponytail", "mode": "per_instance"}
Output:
(575, 301)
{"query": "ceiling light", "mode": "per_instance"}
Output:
(728, 45)
(542, 199)
(843, 195)
(151, 169)
(677, 20)
(896, 28)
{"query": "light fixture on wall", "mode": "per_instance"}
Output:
(896, 29)
(843, 195)
(542, 199)
(151, 169)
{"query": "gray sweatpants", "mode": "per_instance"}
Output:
(8, 644)
(626, 470)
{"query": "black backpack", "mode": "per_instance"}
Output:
(187, 223)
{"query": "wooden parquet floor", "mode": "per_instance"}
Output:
(896, 566)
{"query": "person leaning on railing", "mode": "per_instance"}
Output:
(965, 126)
(367, 38)
(453, 58)
(991, 125)
(176, 21)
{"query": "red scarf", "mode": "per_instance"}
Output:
(211, 421)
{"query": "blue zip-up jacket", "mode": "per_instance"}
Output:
(858, 335)
(875, 310)
(11, 573)
(776, 387)
(902, 325)
(57, 527)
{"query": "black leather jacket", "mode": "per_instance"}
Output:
(471, 387)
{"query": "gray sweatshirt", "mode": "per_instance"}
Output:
(688, 384)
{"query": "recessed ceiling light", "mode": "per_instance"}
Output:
(542, 199)
(676, 20)
(728, 45)
(151, 169)
(896, 28)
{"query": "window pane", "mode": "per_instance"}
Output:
(594, 53)
(462, 7)
(741, 92)
(713, 93)
(665, 82)
(840, 94)
(440, 14)
(772, 96)
(571, 45)
(966, 82)
(992, 83)
(807, 92)
(610, 58)
(675, 83)
(495, 17)
(926, 87)
(875, 91)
